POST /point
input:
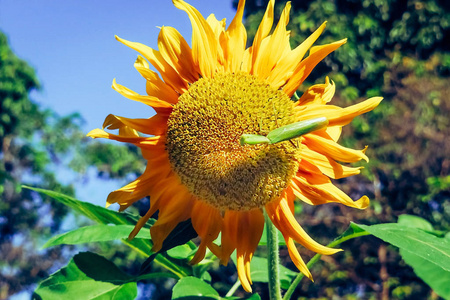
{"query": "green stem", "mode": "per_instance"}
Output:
(273, 259)
(316, 258)
(233, 289)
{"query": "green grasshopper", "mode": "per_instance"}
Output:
(284, 133)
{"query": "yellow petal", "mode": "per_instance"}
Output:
(177, 53)
(284, 220)
(330, 148)
(318, 94)
(236, 40)
(273, 47)
(321, 193)
(155, 87)
(263, 30)
(169, 75)
(155, 125)
(204, 42)
(327, 165)
(302, 71)
(285, 67)
(296, 258)
(337, 116)
(157, 104)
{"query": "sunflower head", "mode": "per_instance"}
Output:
(205, 98)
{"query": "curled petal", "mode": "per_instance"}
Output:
(143, 142)
(283, 218)
(158, 105)
(156, 125)
(332, 149)
(308, 189)
(318, 94)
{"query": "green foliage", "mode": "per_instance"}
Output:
(193, 288)
(93, 233)
(87, 276)
(428, 254)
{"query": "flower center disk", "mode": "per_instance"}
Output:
(203, 141)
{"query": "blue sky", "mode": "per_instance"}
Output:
(71, 45)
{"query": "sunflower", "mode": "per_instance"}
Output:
(206, 98)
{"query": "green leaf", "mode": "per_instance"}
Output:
(433, 275)
(426, 253)
(415, 222)
(259, 271)
(180, 252)
(184, 230)
(351, 231)
(433, 249)
(94, 233)
(190, 288)
(87, 276)
(103, 216)
(94, 212)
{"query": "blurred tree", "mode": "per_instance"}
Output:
(35, 145)
(397, 49)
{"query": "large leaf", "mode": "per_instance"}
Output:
(87, 276)
(181, 234)
(94, 212)
(102, 215)
(428, 254)
(434, 275)
(427, 246)
(193, 288)
(94, 233)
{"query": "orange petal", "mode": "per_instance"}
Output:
(143, 142)
(207, 222)
(318, 94)
(282, 217)
(175, 206)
